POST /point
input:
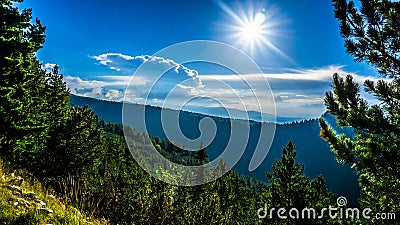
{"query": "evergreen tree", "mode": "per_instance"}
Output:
(371, 34)
(74, 142)
(39, 130)
(22, 82)
(290, 188)
(287, 180)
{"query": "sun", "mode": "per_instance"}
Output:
(253, 28)
(251, 31)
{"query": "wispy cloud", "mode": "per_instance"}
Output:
(105, 59)
(296, 92)
(178, 67)
(121, 62)
(48, 66)
(113, 87)
(323, 74)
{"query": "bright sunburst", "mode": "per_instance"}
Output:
(253, 28)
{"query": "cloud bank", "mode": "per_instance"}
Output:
(297, 92)
(121, 62)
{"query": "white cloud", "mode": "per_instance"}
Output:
(178, 67)
(49, 66)
(122, 81)
(114, 94)
(130, 63)
(322, 74)
(88, 88)
(297, 93)
(104, 58)
(114, 68)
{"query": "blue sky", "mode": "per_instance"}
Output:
(98, 45)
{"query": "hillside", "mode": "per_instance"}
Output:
(24, 200)
(313, 151)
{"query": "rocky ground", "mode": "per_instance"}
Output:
(22, 197)
(24, 200)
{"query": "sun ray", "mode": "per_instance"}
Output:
(253, 30)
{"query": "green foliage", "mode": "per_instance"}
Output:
(13, 213)
(39, 131)
(287, 180)
(371, 34)
(290, 188)
(88, 163)
(72, 145)
(22, 82)
(118, 181)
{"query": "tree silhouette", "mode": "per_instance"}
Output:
(371, 34)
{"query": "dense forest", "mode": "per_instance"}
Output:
(312, 150)
(87, 164)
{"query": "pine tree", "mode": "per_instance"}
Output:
(371, 34)
(39, 130)
(287, 180)
(290, 188)
(74, 142)
(22, 82)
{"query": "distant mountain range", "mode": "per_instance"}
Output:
(312, 150)
(238, 114)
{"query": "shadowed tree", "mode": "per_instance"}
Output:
(371, 34)
(38, 129)
(290, 188)
(22, 83)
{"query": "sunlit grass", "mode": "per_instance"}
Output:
(12, 212)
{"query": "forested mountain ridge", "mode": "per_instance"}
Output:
(313, 151)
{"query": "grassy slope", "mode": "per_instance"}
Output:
(14, 210)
